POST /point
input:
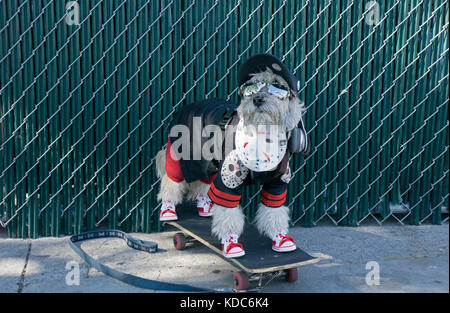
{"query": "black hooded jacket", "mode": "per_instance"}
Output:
(219, 112)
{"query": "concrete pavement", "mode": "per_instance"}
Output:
(408, 259)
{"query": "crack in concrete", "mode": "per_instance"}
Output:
(21, 283)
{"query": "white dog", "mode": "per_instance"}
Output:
(260, 129)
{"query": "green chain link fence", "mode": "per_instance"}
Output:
(87, 89)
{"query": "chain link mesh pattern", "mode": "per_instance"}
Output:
(87, 89)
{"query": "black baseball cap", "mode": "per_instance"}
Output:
(260, 62)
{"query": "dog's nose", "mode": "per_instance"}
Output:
(258, 101)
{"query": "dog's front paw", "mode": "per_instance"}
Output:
(283, 243)
(230, 246)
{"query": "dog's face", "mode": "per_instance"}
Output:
(263, 108)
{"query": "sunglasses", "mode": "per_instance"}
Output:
(278, 91)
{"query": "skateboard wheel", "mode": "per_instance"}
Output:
(292, 274)
(241, 281)
(179, 241)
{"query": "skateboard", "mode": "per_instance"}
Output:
(259, 265)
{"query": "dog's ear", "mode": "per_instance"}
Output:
(240, 91)
(295, 112)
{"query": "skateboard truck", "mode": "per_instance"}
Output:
(242, 280)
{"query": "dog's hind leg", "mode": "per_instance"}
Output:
(171, 192)
(197, 188)
(198, 192)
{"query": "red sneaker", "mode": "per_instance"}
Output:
(230, 247)
(167, 212)
(204, 206)
(283, 243)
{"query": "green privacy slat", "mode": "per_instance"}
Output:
(19, 138)
(375, 118)
(321, 105)
(210, 77)
(100, 124)
(232, 50)
(133, 129)
(431, 130)
(343, 110)
(445, 97)
(402, 12)
(332, 118)
(311, 63)
(155, 98)
(90, 118)
(416, 168)
(110, 92)
(65, 114)
(61, 114)
(77, 131)
(408, 104)
(84, 108)
(29, 222)
(278, 19)
(42, 117)
(144, 78)
(85, 190)
(73, 211)
(267, 11)
(439, 151)
(244, 33)
(51, 144)
(221, 40)
(257, 17)
(430, 103)
(199, 42)
(354, 95)
(364, 116)
(188, 24)
(298, 163)
(8, 126)
(288, 37)
(386, 109)
(123, 116)
(162, 99)
(4, 74)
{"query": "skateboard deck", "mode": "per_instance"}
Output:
(259, 257)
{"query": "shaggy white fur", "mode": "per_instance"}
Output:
(171, 191)
(197, 188)
(227, 220)
(160, 163)
(271, 221)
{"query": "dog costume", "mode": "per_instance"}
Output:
(232, 168)
(228, 174)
